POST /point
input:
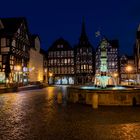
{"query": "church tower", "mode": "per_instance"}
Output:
(84, 57)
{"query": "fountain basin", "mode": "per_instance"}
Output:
(114, 96)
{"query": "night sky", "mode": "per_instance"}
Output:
(116, 19)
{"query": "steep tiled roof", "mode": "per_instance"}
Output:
(60, 41)
(10, 25)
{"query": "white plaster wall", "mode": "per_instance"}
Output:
(35, 66)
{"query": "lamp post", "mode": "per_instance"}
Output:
(50, 77)
(18, 69)
(44, 77)
(128, 69)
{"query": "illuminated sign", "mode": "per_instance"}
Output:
(2, 76)
(25, 69)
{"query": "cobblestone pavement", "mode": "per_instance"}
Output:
(35, 115)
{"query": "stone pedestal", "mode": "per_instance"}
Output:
(88, 99)
(95, 100)
(75, 98)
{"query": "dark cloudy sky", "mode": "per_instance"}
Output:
(51, 19)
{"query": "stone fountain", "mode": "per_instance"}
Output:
(103, 95)
(103, 76)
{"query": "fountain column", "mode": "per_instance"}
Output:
(103, 75)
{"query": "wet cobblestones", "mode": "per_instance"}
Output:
(35, 115)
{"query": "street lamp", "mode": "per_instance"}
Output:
(129, 69)
(50, 74)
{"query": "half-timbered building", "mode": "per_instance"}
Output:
(60, 63)
(14, 50)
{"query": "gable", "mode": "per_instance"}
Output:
(1, 25)
(23, 30)
(37, 44)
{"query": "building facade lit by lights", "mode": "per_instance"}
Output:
(111, 56)
(84, 59)
(60, 63)
(22, 60)
(127, 76)
(36, 70)
(45, 73)
(137, 54)
(14, 50)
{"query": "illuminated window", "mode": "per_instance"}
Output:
(72, 61)
(5, 49)
(90, 67)
(72, 70)
(60, 46)
(72, 53)
(84, 67)
(65, 61)
(58, 62)
(3, 42)
(11, 62)
(55, 61)
(14, 43)
(68, 61)
(18, 31)
(51, 61)
(11, 67)
(24, 47)
(62, 53)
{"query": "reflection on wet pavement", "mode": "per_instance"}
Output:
(35, 115)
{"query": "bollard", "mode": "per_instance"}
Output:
(59, 98)
(75, 98)
(87, 99)
(95, 100)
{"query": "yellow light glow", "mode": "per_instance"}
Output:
(115, 74)
(45, 70)
(7, 80)
(33, 68)
(129, 68)
(50, 74)
(18, 68)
